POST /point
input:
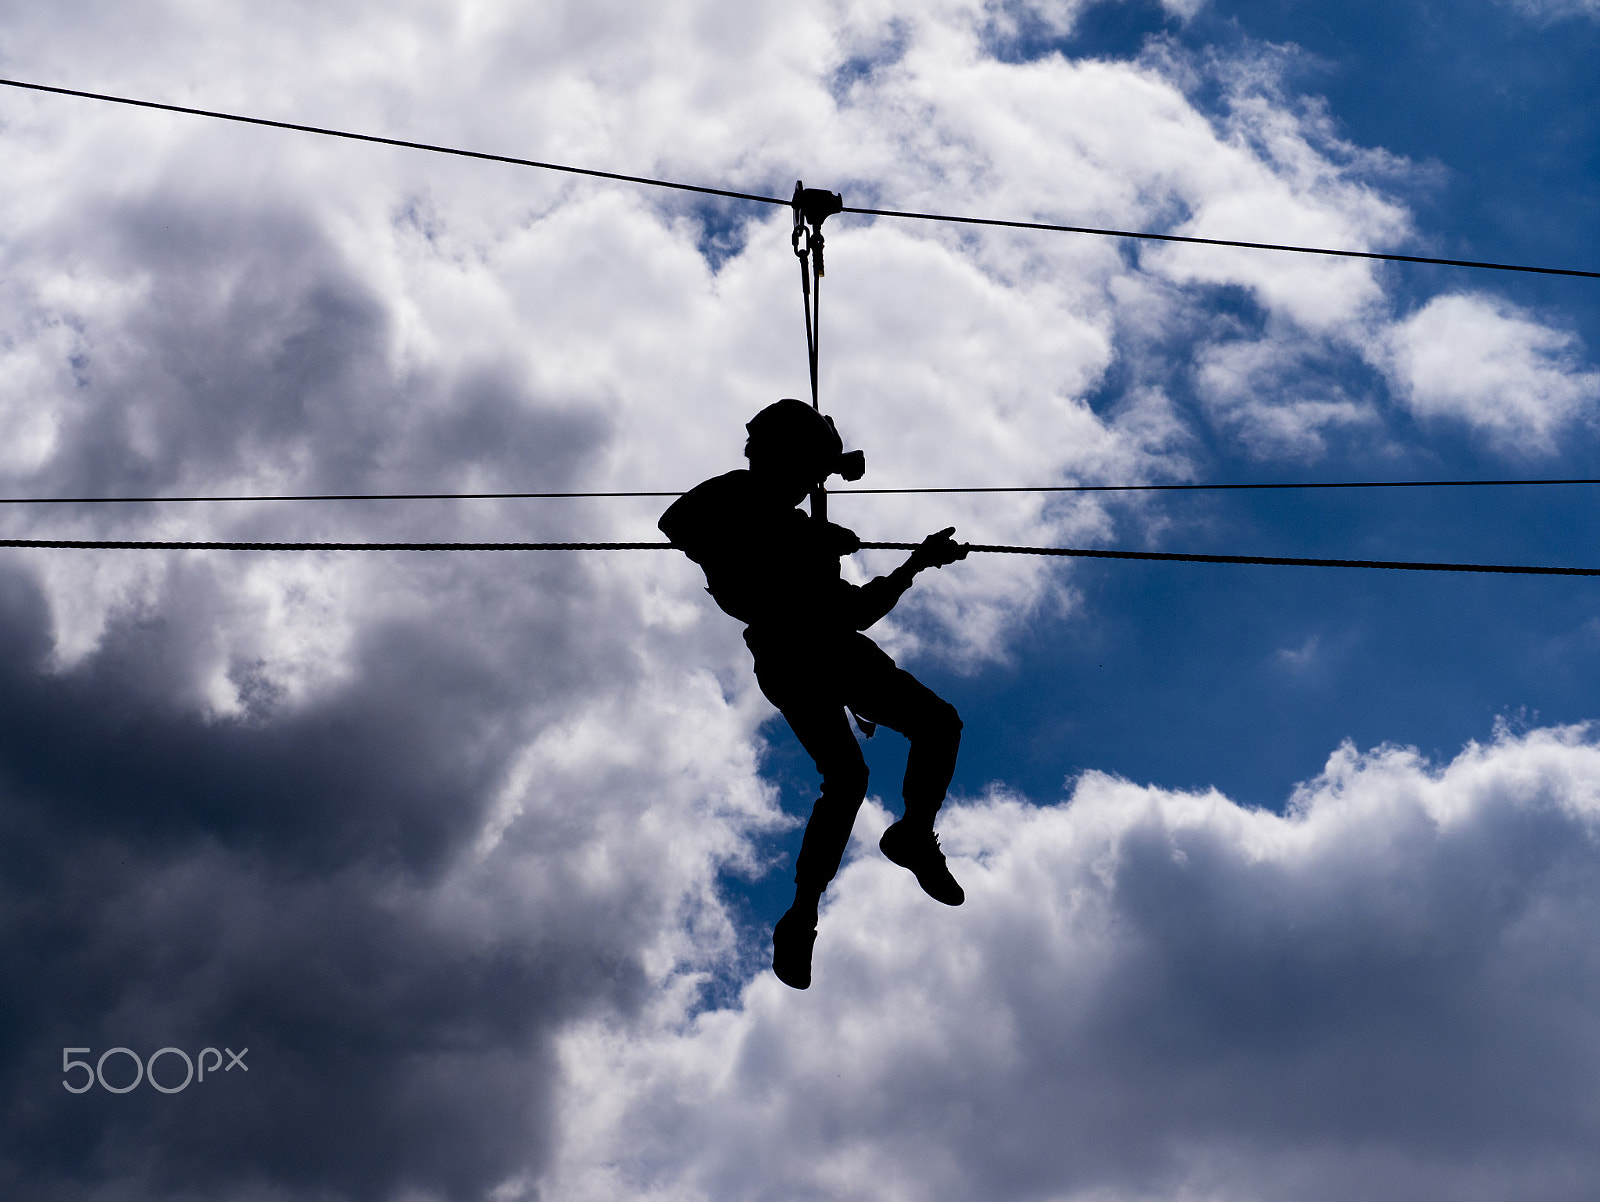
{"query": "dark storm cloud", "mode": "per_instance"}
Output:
(247, 337)
(269, 882)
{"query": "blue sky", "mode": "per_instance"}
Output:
(1281, 882)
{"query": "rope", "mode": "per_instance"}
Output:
(432, 148)
(1268, 560)
(1071, 552)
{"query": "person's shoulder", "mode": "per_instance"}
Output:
(737, 485)
(729, 489)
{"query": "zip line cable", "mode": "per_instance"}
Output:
(333, 496)
(109, 544)
(1048, 227)
(1193, 239)
(999, 488)
(382, 141)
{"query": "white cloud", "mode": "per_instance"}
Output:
(1482, 361)
(1298, 659)
(1387, 993)
(1279, 165)
(1271, 393)
(1546, 11)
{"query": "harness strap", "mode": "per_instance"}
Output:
(812, 206)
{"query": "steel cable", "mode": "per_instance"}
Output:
(995, 488)
(1002, 223)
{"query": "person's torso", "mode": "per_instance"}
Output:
(766, 564)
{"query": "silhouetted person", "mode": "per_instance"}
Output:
(777, 570)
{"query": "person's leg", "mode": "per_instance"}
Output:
(889, 695)
(825, 733)
(882, 692)
(816, 715)
(934, 728)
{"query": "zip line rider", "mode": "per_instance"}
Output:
(777, 570)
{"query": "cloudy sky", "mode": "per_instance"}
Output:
(1282, 883)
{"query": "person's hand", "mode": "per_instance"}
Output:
(937, 550)
(842, 540)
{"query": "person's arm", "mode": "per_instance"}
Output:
(877, 597)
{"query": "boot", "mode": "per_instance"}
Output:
(917, 848)
(792, 941)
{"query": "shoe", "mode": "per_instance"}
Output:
(919, 851)
(792, 941)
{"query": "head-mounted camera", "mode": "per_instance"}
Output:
(851, 465)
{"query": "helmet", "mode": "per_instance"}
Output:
(792, 430)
